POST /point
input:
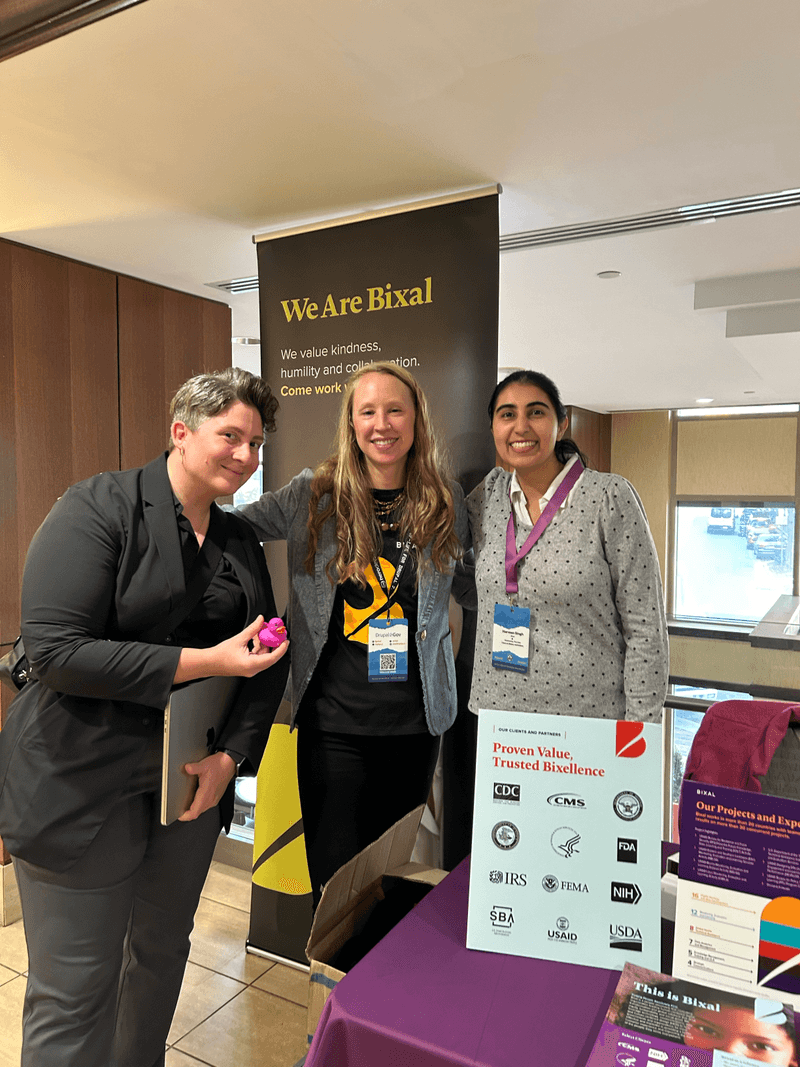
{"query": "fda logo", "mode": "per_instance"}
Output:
(505, 835)
(502, 918)
(506, 792)
(625, 893)
(627, 850)
(628, 805)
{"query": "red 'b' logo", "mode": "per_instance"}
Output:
(630, 739)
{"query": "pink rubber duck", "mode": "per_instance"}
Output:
(272, 633)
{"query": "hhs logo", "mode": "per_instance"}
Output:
(506, 792)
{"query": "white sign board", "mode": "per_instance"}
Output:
(566, 845)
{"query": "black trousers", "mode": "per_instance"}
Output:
(353, 788)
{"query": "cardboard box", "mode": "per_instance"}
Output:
(349, 898)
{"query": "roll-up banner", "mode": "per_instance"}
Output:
(417, 286)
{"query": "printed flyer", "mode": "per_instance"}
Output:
(738, 907)
(566, 859)
(654, 1021)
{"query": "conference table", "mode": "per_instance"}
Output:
(421, 999)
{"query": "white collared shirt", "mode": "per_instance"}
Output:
(520, 505)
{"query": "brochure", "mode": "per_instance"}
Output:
(658, 1021)
(566, 854)
(737, 918)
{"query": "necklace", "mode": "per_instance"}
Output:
(384, 508)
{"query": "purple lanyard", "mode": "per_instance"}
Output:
(559, 496)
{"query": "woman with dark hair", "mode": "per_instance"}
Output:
(570, 604)
(135, 582)
(372, 536)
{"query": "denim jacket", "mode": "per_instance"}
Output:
(283, 515)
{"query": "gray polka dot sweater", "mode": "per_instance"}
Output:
(598, 631)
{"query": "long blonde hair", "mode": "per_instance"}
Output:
(427, 514)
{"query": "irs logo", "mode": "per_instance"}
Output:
(550, 883)
(628, 938)
(505, 835)
(628, 805)
(495, 877)
(625, 893)
(508, 878)
(506, 792)
(627, 850)
(564, 841)
(566, 800)
(502, 918)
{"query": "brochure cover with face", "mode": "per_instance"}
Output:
(655, 1020)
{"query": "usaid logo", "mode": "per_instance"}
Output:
(628, 938)
(566, 800)
(627, 850)
(508, 878)
(502, 918)
(505, 792)
(562, 932)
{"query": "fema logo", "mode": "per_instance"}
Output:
(628, 805)
(627, 850)
(566, 800)
(550, 883)
(505, 792)
(564, 841)
(495, 877)
(502, 918)
(505, 835)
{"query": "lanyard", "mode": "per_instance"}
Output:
(388, 591)
(512, 556)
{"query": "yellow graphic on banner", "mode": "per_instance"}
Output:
(277, 865)
(354, 616)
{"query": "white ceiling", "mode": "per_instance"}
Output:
(158, 141)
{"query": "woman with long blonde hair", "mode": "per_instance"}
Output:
(373, 537)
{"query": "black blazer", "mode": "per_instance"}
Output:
(103, 569)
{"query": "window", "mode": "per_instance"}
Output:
(732, 560)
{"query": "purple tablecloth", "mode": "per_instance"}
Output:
(421, 999)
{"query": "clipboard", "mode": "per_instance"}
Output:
(194, 716)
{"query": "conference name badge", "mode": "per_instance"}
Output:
(511, 636)
(387, 650)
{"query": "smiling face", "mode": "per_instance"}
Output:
(737, 1031)
(218, 457)
(525, 429)
(383, 417)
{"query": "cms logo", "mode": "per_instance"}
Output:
(507, 791)
(566, 800)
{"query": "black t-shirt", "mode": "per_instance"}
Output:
(340, 698)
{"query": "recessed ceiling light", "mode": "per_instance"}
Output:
(704, 400)
(608, 274)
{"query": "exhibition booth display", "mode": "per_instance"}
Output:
(516, 956)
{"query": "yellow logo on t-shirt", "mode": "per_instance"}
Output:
(353, 616)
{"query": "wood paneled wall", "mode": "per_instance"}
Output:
(591, 432)
(88, 362)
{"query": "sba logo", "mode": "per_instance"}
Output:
(503, 918)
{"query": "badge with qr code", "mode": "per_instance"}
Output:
(387, 655)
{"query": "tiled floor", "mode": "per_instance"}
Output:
(235, 1010)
